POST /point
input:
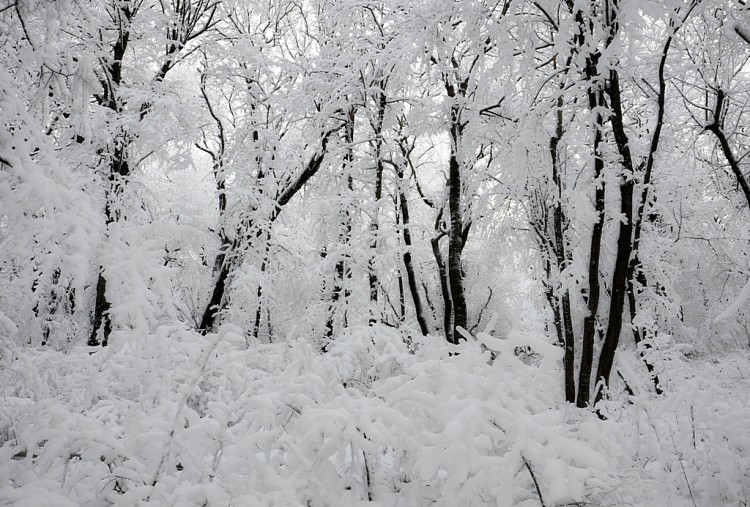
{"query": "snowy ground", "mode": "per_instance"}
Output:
(175, 418)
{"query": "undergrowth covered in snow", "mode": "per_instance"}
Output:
(176, 418)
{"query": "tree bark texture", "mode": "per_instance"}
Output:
(456, 227)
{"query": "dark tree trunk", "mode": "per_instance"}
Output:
(408, 265)
(217, 157)
(558, 222)
(259, 292)
(401, 297)
(594, 289)
(569, 356)
(644, 346)
(218, 301)
(595, 103)
(342, 272)
(378, 145)
(448, 329)
(226, 243)
(716, 127)
(456, 228)
(101, 314)
(636, 278)
(336, 297)
(624, 242)
(118, 170)
(627, 274)
(564, 313)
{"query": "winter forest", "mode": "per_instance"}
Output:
(400, 253)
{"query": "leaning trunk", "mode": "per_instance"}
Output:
(717, 129)
(218, 301)
(408, 265)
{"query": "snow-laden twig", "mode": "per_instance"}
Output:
(740, 302)
(181, 405)
(684, 474)
(533, 477)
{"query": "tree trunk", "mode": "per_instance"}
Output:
(259, 293)
(408, 265)
(643, 345)
(101, 314)
(218, 301)
(401, 297)
(627, 274)
(558, 223)
(554, 304)
(594, 290)
(624, 241)
(448, 329)
(374, 225)
(342, 272)
(595, 102)
(636, 277)
(717, 129)
(185, 28)
(118, 170)
(456, 228)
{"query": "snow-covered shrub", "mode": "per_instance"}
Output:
(695, 440)
(202, 420)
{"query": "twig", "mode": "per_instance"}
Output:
(627, 386)
(692, 423)
(368, 475)
(684, 474)
(481, 312)
(536, 484)
(178, 413)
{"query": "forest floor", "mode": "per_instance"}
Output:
(175, 418)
